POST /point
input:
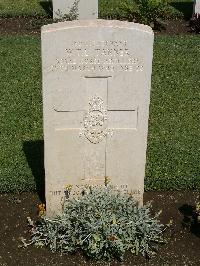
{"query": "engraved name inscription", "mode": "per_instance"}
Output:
(109, 56)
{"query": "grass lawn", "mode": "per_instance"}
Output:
(10, 8)
(173, 143)
(21, 110)
(107, 8)
(174, 131)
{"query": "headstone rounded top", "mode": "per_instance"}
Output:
(96, 23)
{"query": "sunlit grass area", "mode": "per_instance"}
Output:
(173, 142)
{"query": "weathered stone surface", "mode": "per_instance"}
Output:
(86, 9)
(96, 94)
(197, 7)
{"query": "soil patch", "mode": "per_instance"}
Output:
(14, 26)
(183, 238)
(31, 26)
(175, 27)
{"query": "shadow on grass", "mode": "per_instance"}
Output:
(48, 7)
(184, 7)
(190, 219)
(34, 151)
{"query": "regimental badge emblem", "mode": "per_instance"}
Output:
(95, 121)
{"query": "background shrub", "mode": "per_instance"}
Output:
(150, 12)
(195, 23)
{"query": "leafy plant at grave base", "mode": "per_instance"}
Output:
(198, 211)
(195, 23)
(103, 223)
(72, 15)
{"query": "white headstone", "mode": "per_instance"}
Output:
(96, 94)
(197, 7)
(84, 9)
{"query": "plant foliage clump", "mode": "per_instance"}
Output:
(71, 15)
(149, 12)
(195, 23)
(103, 223)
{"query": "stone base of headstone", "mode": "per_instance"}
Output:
(196, 7)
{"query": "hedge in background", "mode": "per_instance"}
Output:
(173, 143)
(150, 12)
(15, 8)
(141, 10)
